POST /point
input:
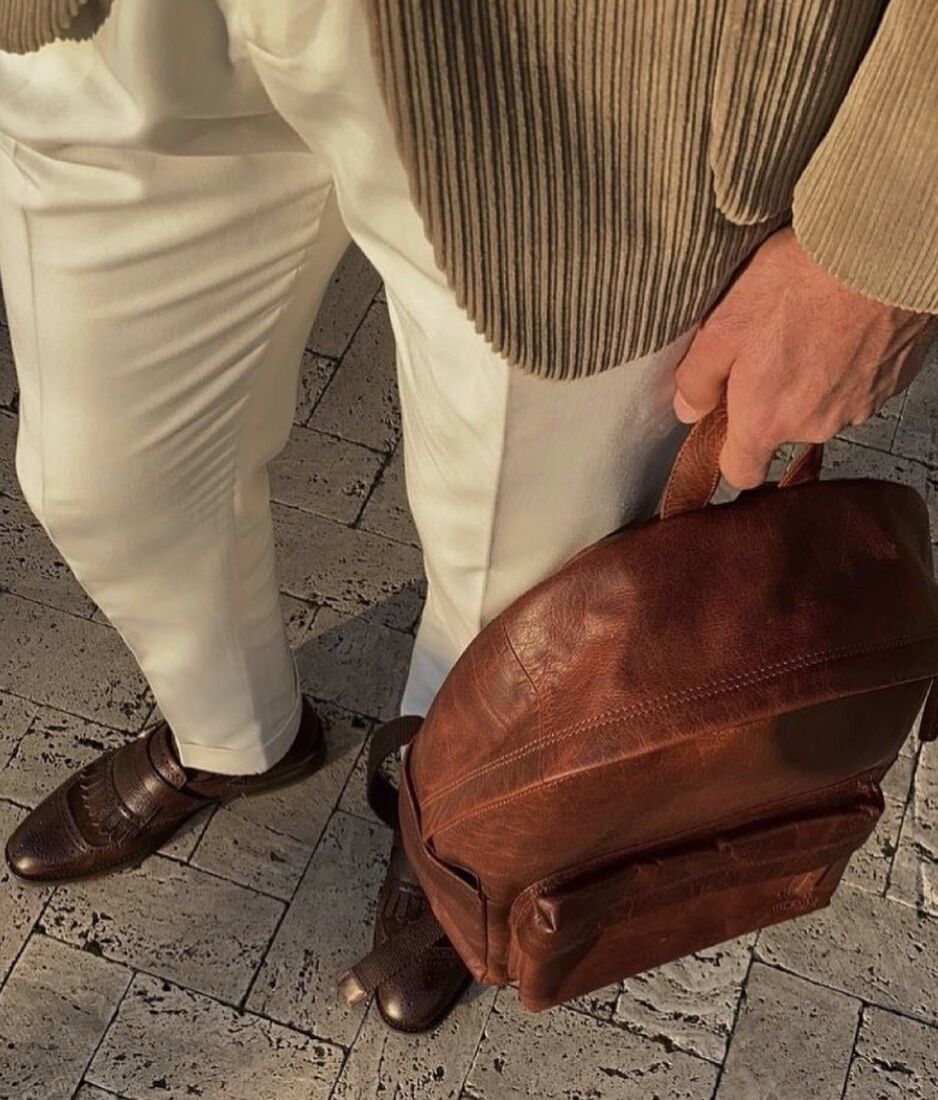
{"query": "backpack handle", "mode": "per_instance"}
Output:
(695, 474)
(385, 742)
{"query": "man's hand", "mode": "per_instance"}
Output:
(799, 355)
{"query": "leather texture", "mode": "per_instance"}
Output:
(679, 737)
(126, 804)
(420, 993)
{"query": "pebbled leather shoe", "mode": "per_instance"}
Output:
(421, 995)
(123, 806)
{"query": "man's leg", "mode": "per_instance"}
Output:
(510, 475)
(507, 475)
(159, 304)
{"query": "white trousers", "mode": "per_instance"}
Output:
(174, 196)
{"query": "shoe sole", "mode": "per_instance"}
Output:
(306, 770)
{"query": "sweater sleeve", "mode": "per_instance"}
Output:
(866, 206)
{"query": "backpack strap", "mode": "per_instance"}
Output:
(385, 742)
(389, 958)
(398, 952)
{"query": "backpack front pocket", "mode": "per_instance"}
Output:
(609, 919)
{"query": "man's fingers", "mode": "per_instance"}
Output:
(686, 413)
(745, 461)
(700, 378)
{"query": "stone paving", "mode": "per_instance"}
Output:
(209, 971)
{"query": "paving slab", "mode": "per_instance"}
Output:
(383, 1063)
(793, 1039)
(9, 485)
(183, 843)
(92, 1092)
(316, 372)
(896, 1059)
(301, 811)
(914, 878)
(917, 431)
(360, 403)
(71, 663)
(359, 664)
(8, 387)
(690, 1002)
(15, 717)
(266, 842)
(55, 747)
(298, 616)
(387, 511)
(171, 1043)
(31, 566)
(172, 920)
(20, 903)
(601, 1004)
(252, 854)
(897, 783)
(54, 1009)
(869, 867)
(322, 474)
(401, 610)
(354, 798)
(880, 430)
(871, 947)
(346, 302)
(562, 1054)
(324, 562)
(327, 928)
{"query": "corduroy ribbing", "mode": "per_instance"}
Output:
(557, 152)
(590, 173)
(866, 207)
(27, 25)
(784, 70)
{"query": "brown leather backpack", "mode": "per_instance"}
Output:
(676, 739)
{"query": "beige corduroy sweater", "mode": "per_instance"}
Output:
(591, 172)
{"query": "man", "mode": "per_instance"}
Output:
(556, 194)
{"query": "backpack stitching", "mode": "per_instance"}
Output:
(668, 701)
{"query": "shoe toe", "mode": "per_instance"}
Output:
(39, 848)
(25, 854)
(395, 1005)
(422, 995)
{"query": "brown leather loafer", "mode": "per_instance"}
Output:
(130, 801)
(421, 995)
